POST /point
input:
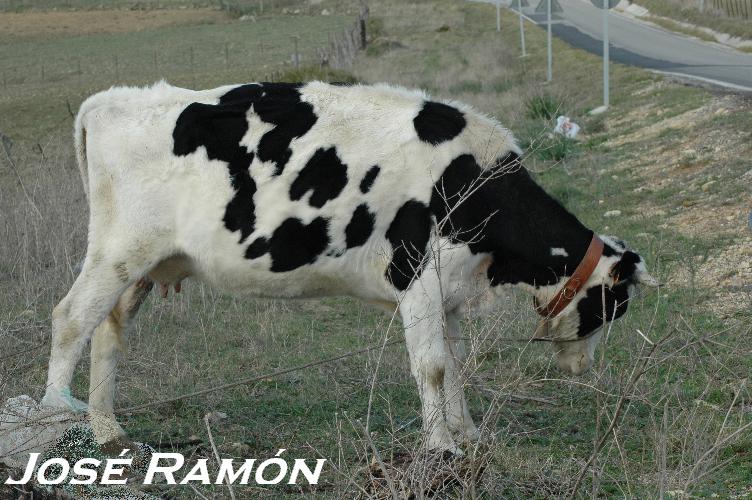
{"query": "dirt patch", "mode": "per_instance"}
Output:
(728, 274)
(686, 170)
(27, 25)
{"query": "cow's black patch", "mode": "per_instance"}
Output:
(408, 234)
(367, 182)
(293, 244)
(220, 127)
(608, 250)
(256, 249)
(437, 122)
(360, 227)
(324, 174)
(625, 268)
(502, 211)
(590, 308)
(280, 104)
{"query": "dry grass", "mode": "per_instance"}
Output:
(47, 24)
(665, 410)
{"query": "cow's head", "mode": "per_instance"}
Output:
(577, 330)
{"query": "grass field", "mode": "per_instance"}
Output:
(674, 160)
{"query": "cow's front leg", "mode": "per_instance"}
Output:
(106, 345)
(458, 416)
(422, 316)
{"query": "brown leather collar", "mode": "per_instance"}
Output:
(575, 282)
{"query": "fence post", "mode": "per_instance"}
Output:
(498, 15)
(522, 28)
(364, 11)
(549, 72)
(296, 55)
(193, 73)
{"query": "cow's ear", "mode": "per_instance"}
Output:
(625, 267)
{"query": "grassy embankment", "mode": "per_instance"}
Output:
(670, 158)
(663, 11)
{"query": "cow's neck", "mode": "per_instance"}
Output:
(537, 242)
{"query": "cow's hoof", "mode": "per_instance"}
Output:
(446, 450)
(463, 433)
(469, 435)
(116, 446)
(105, 428)
(63, 399)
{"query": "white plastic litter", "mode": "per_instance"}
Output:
(566, 127)
(26, 427)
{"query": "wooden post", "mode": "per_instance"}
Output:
(193, 73)
(362, 22)
(296, 57)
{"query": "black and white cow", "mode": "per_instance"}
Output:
(308, 190)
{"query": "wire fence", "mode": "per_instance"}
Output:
(188, 61)
(255, 57)
(733, 8)
(238, 6)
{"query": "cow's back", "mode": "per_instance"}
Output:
(280, 189)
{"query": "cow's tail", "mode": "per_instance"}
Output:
(79, 136)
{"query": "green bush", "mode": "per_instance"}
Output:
(374, 27)
(310, 73)
(542, 106)
(542, 144)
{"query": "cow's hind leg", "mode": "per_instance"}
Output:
(458, 416)
(106, 345)
(422, 316)
(92, 297)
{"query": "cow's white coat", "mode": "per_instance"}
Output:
(152, 213)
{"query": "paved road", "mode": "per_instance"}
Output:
(636, 43)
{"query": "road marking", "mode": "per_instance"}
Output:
(719, 83)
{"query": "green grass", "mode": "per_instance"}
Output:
(238, 6)
(41, 75)
(201, 338)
